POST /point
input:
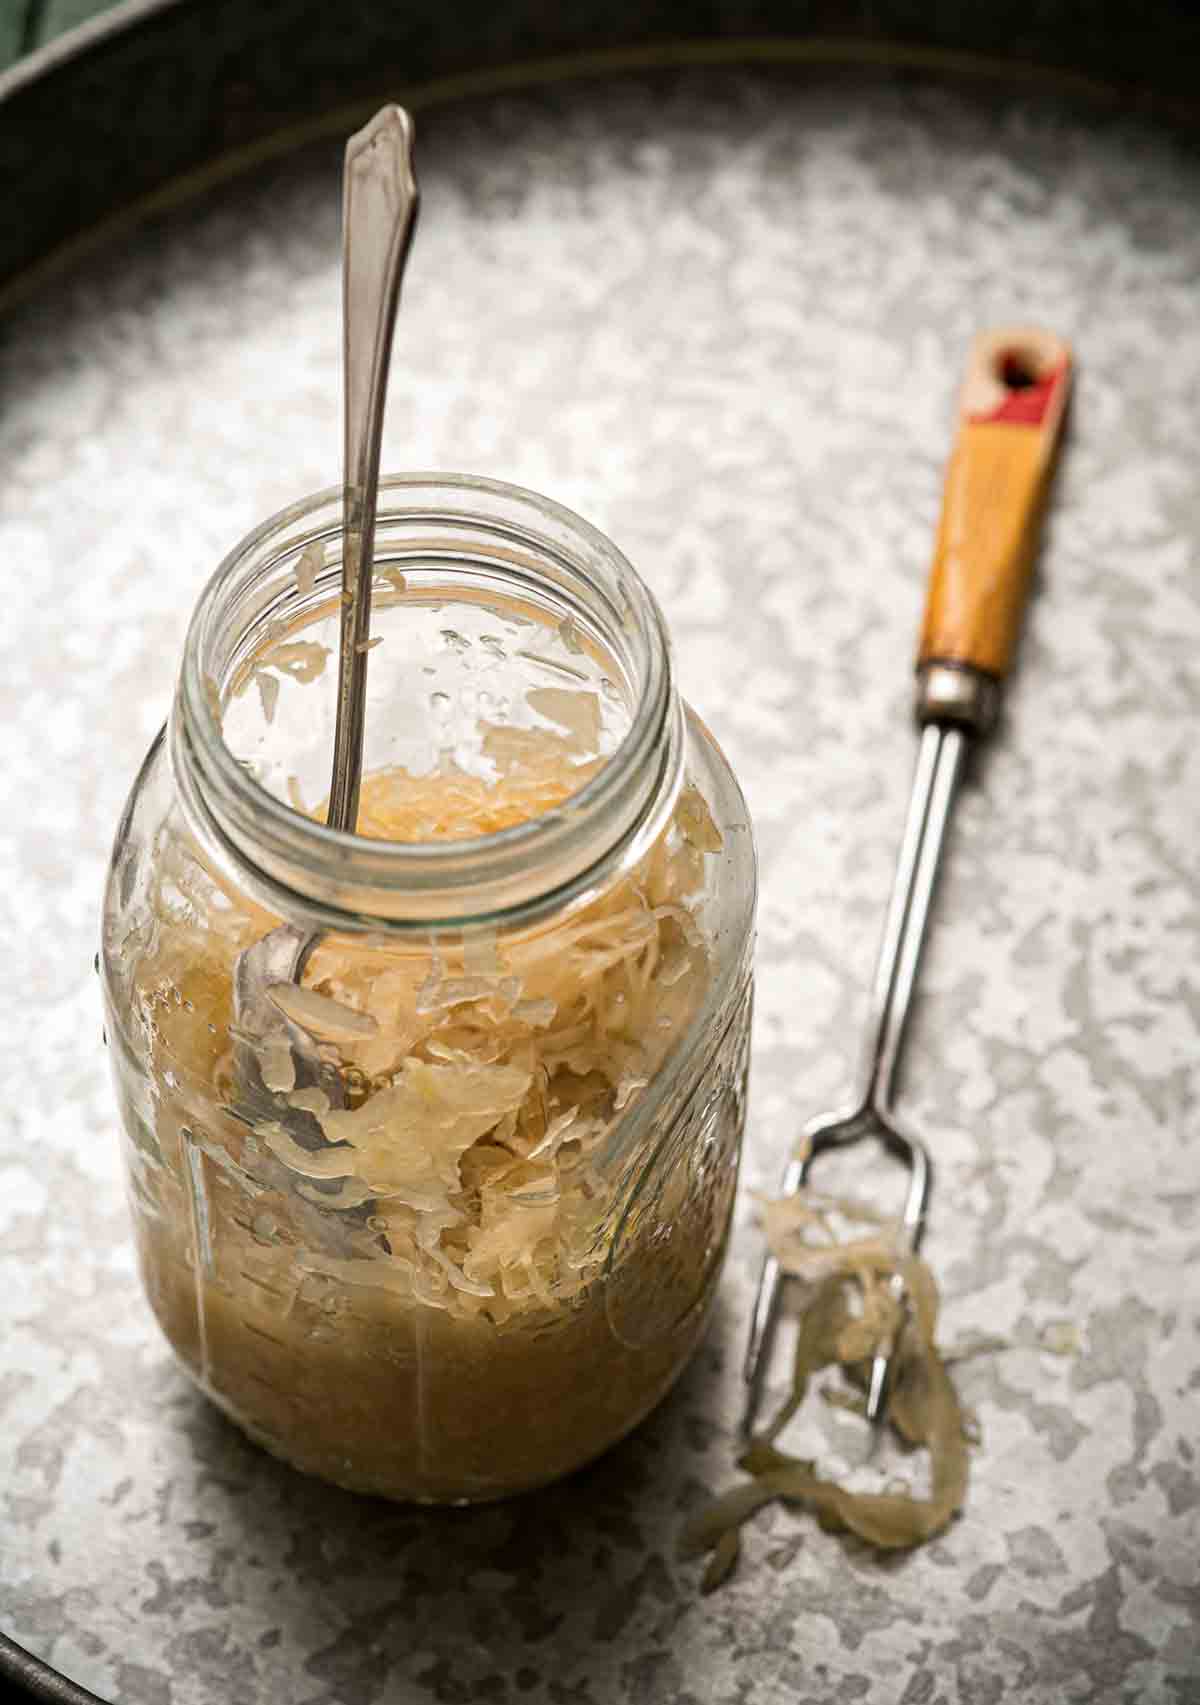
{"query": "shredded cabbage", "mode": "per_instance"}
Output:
(849, 1314)
(483, 1073)
(527, 1046)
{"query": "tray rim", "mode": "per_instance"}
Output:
(35, 1679)
(833, 53)
(78, 42)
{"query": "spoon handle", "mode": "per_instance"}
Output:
(379, 209)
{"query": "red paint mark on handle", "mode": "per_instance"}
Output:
(1028, 405)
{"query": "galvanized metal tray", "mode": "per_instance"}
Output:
(715, 296)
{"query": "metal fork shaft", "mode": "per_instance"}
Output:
(942, 756)
(904, 883)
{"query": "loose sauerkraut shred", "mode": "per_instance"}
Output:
(846, 1257)
(482, 1072)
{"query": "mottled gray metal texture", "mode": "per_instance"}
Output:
(723, 316)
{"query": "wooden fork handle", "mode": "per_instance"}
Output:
(1010, 418)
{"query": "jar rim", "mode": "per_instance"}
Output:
(341, 879)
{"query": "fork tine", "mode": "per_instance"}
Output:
(916, 1156)
(881, 1368)
(765, 1315)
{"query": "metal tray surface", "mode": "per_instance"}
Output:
(722, 313)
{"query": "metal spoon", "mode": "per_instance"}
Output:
(379, 209)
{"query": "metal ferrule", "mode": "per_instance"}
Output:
(956, 695)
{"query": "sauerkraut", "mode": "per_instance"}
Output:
(405, 1292)
(847, 1259)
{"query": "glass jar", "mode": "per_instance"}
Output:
(440, 1218)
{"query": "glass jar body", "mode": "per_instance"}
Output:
(495, 1250)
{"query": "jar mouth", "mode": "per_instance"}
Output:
(489, 535)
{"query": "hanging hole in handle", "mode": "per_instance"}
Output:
(1016, 370)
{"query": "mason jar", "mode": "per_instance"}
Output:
(432, 1130)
